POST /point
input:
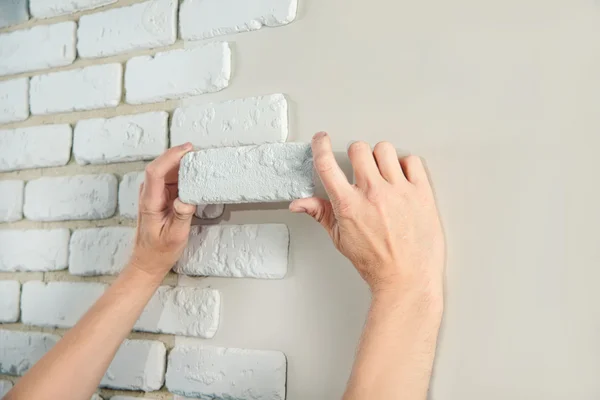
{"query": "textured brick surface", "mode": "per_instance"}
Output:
(14, 100)
(140, 26)
(33, 250)
(100, 251)
(11, 200)
(254, 120)
(22, 51)
(129, 191)
(88, 88)
(243, 251)
(71, 198)
(120, 139)
(35, 147)
(220, 373)
(265, 173)
(13, 12)
(138, 365)
(52, 8)
(10, 292)
(209, 18)
(129, 398)
(20, 350)
(57, 304)
(5, 385)
(178, 73)
(185, 311)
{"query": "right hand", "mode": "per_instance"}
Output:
(386, 224)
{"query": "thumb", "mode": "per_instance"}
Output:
(182, 214)
(320, 209)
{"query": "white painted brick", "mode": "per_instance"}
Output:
(88, 88)
(13, 12)
(71, 198)
(100, 251)
(145, 25)
(11, 199)
(220, 373)
(20, 350)
(265, 173)
(33, 250)
(254, 120)
(121, 139)
(52, 8)
(241, 251)
(138, 365)
(210, 211)
(178, 73)
(209, 18)
(35, 147)
(185, 311)
(41, 47)
(10, 292)
(14, 100)
(57, 304)
(5, 386)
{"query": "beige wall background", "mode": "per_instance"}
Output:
(501, 98)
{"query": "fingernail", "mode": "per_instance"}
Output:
(320, 135)
(187, 146)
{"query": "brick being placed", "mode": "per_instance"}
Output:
(33, 250)
(100, 251)
(249, 174)
(20, 350)
(11, 200)
(241, 251)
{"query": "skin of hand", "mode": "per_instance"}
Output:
(73, 368)
(388, 226)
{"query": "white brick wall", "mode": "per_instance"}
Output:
(13, 12)
(86, 88)
(209, 18)
(40, 47)
(35, 147)
(33, 250)
(11, 199)
(5, 386)
(20, 350)
(145, 25)
(255, 120)
(71, 198)
(121, 139)
(14, 100)
(243, 251)
(57, 304)
(52, 8)
(178, 73)
(216, 372)
(138, 365)
(10, 292)
(100, 251)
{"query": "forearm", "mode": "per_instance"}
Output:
(397, 349)
(85, 351)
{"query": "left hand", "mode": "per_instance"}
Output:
(163, 220)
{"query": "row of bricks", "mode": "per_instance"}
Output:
(191, 368)
(241, 251)
(253, 120)
(6, 386)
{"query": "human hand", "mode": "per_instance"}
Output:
(386, 224)
(163, 220)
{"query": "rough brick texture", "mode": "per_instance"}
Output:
(138, 365)
(43, 46)
(52, 8)
(243, 251)
(33, 250)
(100, 251)
(178, 73)
(11, 199)
(71, 198)
(14, 100)
(255, 120)
(220, 373)
(141, 26)
(129, 398)
(5, 385)
(185, 311)
(120, 139)
(57, 304)
(88, 88)
(35, 147)
(13, 12)
(209, 18)
(20, 350)
(10, 292)
(265, 173)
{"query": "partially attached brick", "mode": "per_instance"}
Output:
(33, 250)
(10, 292)
(100, 251)
(53, 8)
(14, 100)
(11, 200)
(20, 350)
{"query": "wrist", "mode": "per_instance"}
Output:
(425, 302)
(152, 274)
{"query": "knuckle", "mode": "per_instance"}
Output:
(323, 164)
(357, 147)
(151, 171)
